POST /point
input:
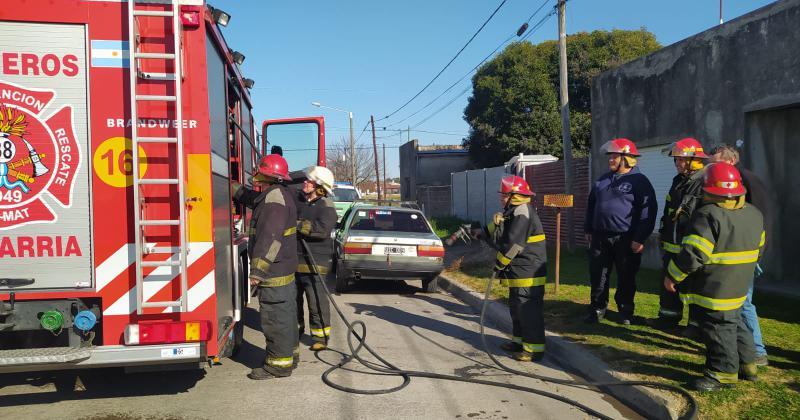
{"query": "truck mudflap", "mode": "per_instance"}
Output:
(61, 358)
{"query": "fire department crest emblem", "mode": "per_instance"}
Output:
(39, 156)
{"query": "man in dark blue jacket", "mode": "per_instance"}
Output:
(620, 215)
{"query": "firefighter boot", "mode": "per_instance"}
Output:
(527, 356)
(706, 384)
(749, 372)
(266, 372)
(511, 346)
(295, 360)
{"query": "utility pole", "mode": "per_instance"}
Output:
(352, 152)
(384, 169)
(720, 12)
(566, 140)
(375, 152)
(409, 133)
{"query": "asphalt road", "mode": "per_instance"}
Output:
(413, 330)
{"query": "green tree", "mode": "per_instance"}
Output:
(514, 105)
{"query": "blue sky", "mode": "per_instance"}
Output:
(370, 57)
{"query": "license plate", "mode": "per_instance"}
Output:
(394, 250)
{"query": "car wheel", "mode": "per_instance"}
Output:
(342, 282)
(430, 285)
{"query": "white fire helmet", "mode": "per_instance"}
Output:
(322, 176)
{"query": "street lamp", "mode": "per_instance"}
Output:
(352, 139)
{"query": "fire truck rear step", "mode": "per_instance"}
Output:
(43, 355)
(173, 104)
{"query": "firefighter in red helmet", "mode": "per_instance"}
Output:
(521, 264)
(685, 194)
(716, 262)
(273, 261)
(620, 216)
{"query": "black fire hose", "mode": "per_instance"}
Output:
(389, 369)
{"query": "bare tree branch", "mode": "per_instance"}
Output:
(338, 160)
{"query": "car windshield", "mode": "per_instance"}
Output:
(344, 194)
(389, 221)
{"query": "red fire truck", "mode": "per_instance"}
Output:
(122, 126)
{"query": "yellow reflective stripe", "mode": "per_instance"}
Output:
(528, 282)
(502, 259)
(277, 281)
(675, 272)
(670, 247)
(723, 377)
(306, 269)
(321, 332)
(535, 238)
(700, 243)
(730, 258)
(763, 239)
(279, 361)
(711, 303)
(533, 348)
(289, 232)
(516, 339)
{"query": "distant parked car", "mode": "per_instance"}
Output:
(344, 195)
(386, 243)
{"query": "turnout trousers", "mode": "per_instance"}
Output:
(526, 305)
(605, 252)
(728, 342)
(278, 307)
(319, 310)
(670, 305)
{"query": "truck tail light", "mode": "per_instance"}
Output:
(167, 332)
(430, 251)
(357, 248)
(190, 16)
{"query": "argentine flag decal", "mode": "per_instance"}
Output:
(110, 54)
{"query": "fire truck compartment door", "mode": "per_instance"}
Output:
(45, 214)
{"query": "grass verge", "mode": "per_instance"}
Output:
(640, 351)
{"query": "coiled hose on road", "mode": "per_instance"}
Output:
(389, 369)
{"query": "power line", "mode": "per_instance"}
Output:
(544, 3)
(449, 63)
(535, 28)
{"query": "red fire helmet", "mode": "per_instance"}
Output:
(513, 184)
(688, 147)
(724, 180)
(621, 146)
(274, 166)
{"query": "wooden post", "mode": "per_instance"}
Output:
(558, 246)
(558, 201)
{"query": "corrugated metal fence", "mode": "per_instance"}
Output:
(474, 193)
(548, 178)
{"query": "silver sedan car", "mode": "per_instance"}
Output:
(386, 243)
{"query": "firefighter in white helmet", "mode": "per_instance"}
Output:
(316, 219)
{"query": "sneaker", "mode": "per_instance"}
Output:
(761, 360)
(511, 346)
(595, 315)
(749, 372)
(626, 319)
(317, 346)
(260, 374)
(706, 384)
(525, 356)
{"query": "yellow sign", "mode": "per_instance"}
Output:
(113, 162)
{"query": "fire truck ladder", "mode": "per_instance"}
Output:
(174, 81)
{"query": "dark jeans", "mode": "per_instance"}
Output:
(728, 342)
(605, 252)
(319, 310)
(278, 307)
(526, 305)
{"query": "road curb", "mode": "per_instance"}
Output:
(569, 355)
